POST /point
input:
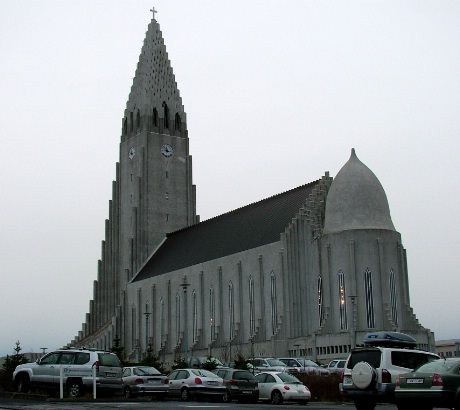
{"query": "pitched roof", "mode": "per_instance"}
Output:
(253, 225)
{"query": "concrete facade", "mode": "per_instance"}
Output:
(335, 270)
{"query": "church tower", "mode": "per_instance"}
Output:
(153, 192)
(156, 191)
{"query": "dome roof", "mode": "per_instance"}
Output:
(356, 200)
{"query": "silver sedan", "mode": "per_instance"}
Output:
(144, 381)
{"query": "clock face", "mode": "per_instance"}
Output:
(167, 150)
(131, 153)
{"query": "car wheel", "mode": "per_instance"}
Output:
(184, 394)
(276, 397)
(365, 404)
(226, 398)
(74, 388)
(22, 383)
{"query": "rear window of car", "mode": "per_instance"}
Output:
(108, 359)
(204, 373)
(243, 375)
(370, 356)
(82, 358)
(410, 360)
(287, 378)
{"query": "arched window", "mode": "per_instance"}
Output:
(194, 318)
(342, 301)
(369, 298)
(393, 298)
(162, 320)
(252, 310)
(177, 317)
(166, 114)
(138, 120)
(155, 117)
(212, 314)
(320, 300)
(273, 302)
(177, 122)
(231, 309)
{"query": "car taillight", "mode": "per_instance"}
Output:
(139, 381)
(437, 380)
(286, 387)
(341, 377)
(166, 381)
(386, 376)
(398, 381)
(198, 380)
(232, 381)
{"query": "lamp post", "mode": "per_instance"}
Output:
(147, 315)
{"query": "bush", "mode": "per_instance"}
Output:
(179, 363)
(240, 362)
(10, 364)
(322, 388)
(210, 364)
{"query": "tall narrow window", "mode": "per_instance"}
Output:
(369, 298)
(166, 114)
(133, 327)
(231, 310)
(155, 117)
(212, 314)
(125, 126)
(138, 120)
(342, 301)
(194, 318)
(252, 310)
(177, 122)
(393, 298)
(273, 302)
(131, 121)
(320, 300)
(162, 321)
(177, 318)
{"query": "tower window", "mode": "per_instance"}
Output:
(155, 117)
(131, 121)
(342, 301)
(393, 303)
(138, 120)
(166, 114)
(177, 122)
(369, 298)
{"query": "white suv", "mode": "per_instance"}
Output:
(77, 367)
(370, 372)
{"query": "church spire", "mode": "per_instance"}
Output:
(154, 101)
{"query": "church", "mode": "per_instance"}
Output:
(306, 272)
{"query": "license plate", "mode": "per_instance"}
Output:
(414, 381)
(212, 383)
(246, 391)
(153, 381)
(110, 374)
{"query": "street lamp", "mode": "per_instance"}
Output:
(147, 315)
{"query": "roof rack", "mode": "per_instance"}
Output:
(389, 339)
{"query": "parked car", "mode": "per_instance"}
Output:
(278, 387)
(370, 372)
(259, 364)
(197, 362)
(144, 381)
(188, 383)
(434, 384)
(301, 365)
(77, 367)
(336, 366)
(241, 385)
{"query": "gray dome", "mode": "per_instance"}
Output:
(356, 200)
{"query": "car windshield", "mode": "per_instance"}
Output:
(438, 366)
(204, 373)
(287, 378)
(275, 362)
(145, 371)
(308, 363)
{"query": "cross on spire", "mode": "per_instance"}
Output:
(153, 11)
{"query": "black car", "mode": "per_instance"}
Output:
(241, 385)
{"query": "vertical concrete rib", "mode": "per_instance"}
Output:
(262, 332)
(242, 319)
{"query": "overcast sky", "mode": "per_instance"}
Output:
(276, 93)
